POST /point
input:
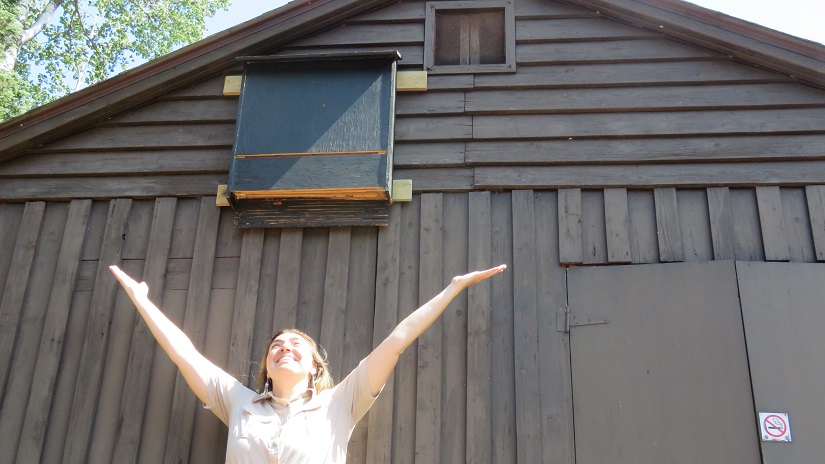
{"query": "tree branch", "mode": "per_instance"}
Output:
(42, 19)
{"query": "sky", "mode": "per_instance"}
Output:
(800, 18)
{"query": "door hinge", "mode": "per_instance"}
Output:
(565, 320)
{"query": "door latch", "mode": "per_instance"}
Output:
(565, 320)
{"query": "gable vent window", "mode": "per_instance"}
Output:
(469, 37)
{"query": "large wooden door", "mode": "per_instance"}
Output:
(666, 379)
(783, 307)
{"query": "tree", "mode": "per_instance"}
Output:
(76, 43)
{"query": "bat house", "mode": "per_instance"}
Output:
(313, 143)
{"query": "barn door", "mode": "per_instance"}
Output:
(783, 306)
(665, 380)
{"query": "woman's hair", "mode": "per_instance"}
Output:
(322, 379)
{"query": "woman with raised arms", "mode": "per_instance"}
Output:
(299, 416)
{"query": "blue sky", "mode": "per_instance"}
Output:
(801, 18)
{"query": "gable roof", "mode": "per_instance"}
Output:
(690, 23)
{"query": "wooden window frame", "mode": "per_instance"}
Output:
(509, 66)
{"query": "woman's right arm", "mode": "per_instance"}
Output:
(195, 368)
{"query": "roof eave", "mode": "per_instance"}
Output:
(81, 110)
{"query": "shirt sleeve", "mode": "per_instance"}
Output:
(355, 388)
(222, 391)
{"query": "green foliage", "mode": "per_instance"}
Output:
(87, 41)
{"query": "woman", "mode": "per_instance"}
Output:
(299, 417)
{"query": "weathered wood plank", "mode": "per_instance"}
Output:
(797, 225)
(289, 272)
(335, 298)
(415, 103)
(502, 383)
(209, 87)
(533, 8)
(380, 431)
(721, 223)
(143, 343)
(359, 321)
(577, 29)
(668, 229)
(10, 218)
(314, 252)
(406, 372)
(434, 128)
(694, 220)
(184, 402)
(706, 97)
(97, 335)
(66, 189)
(438, 180)
(246, 301)
(570, 226)
(556, 387)
(29, 328)
(428, 402)
(815, 195)
(172, 135)
(616, 225)
(641, 210)
(772, 224)
(213, 110)
(428, 154)
(454, 341)
(479, 399)
(32, 434)
(411, 55)
(399, 12)
(264, 311)
(734, 122)
(629, 74)
(647, 150)
(684, 175)
(353, 34)
(127, 162)
(11, 306)
(594, 241)
(607, 52)
(747, 233)
(525, 330)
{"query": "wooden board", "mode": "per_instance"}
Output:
(66, 189)
(335, 298)
(616, 222)
(721, 225)
(246, 301)
(454, 336)
(575, 29)
(54, 334)
(570, 226)
(641, 210)
(184, 402)
(436, 128)
(772, 224)
(668, 228)
(380, 432)
(289, 266)
(697, 244)
(479, 349)
(171, 135)
(438, 180)
(97, 335)
(428, 154)
(686, 175)
(142, 341)
(594, 241)
(815, 195)
(525, 330)
(607, 51)
(646, 150)
(11, 306)
(734, 122)
(747, 231)
(428, 418)
(212, 110)
(314, 252)
(797, 225)
(366, 34)
(705, 97)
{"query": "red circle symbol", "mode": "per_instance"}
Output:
(774, 426)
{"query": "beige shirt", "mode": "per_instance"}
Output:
(310, 430)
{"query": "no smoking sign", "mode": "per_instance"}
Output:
(774, 426)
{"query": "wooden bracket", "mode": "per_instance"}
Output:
(220, 198)
(402, 190)
(232, 85)
(411, 81)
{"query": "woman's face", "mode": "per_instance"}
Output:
(291, 353)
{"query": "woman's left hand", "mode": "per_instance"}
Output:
(467, 280)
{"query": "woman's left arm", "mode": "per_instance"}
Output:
(384, 357)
